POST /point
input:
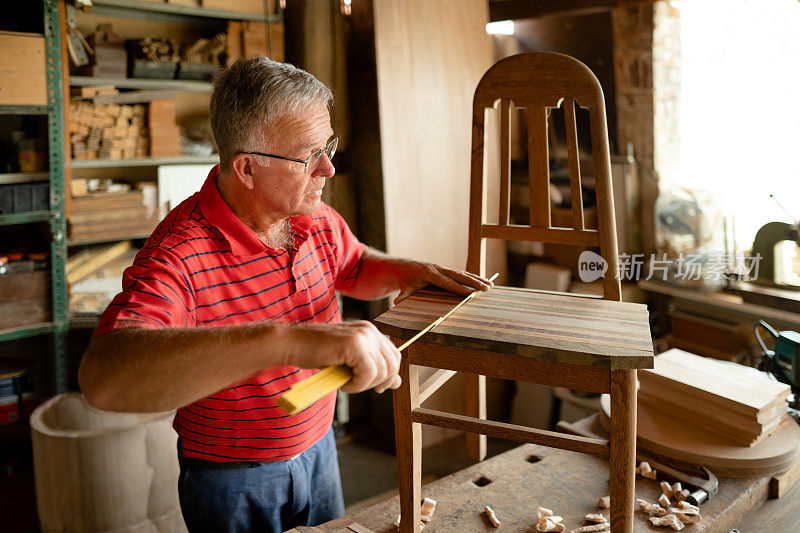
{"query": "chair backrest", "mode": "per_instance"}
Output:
(539, 81)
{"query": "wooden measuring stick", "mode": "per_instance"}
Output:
(308, 391)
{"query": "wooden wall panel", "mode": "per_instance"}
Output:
(430, 55)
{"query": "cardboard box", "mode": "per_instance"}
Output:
(24, 298)
(23, 78)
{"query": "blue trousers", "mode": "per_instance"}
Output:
(269, 497)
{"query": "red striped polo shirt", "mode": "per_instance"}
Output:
(202, 266)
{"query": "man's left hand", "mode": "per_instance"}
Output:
(413, 275)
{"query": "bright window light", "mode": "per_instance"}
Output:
(739, 118)
(501, 27)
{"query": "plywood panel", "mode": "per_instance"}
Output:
(430, 55)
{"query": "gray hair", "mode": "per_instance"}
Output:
(255, 92)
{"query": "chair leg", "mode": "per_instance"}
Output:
(475, 403)
(408, 439)
(622, 460)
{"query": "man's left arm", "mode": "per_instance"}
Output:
(380, 275)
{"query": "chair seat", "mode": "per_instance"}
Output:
(537, 324)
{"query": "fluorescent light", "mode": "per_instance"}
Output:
(502, 27)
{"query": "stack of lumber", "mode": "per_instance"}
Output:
(736, 402)
(165, 140)
(107, 131)
(255, 39)
(112, 215)
(95, 275)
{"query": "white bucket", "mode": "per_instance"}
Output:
(101, 471)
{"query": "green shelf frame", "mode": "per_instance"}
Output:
(24, 218)
(56, 136)
(23, 109)
(192, 86)
(28, 330)
(164, 12)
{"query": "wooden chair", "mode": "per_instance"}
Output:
(582, 343)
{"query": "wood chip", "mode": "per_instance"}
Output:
(688, 516)
(645, 470)
(492, 517)
(548, 523)
(543, 512)
(428, 507)
(667, 521)
(686, 505)
(653, 509)
(604, 502)
(596, 517)
(663, 500)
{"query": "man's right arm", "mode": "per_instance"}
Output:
(148, 370)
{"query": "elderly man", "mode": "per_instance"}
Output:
(232, 300)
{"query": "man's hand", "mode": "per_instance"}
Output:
(381, 275)
(373, 359)
(413, 275)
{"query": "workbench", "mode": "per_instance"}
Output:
(516, 482)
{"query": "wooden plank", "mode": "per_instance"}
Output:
(781, 483)
(622, 459)
(606, 223)
(408, 441)
(432, 384)
(720, 385)
(574, 165)
(679, 439)
(475, 405)
(514, 367)
(513, 432)
(540, 326)
(541, 234)
(538, 168)
(505, 160)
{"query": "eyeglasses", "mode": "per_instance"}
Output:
(310, 163)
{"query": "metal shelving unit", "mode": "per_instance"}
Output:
(54, 112)
(58, 225)
(24, 218)
(23, 109)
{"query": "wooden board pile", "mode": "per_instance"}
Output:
(111, 215)
(255, 39)
(107, 131)
(736, 402)
(164, 133)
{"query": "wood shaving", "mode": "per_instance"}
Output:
(601, 519)
(428, 507)
(645, 470)
(688, 516)
(492, 517)
(653, 509)
(686, 505)
(681, 495)
(667, 521)
(663, 500)
(550, 523)
(543, 512)
(604, 502)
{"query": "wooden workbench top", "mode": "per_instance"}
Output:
(538, 324)
(529, 476)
